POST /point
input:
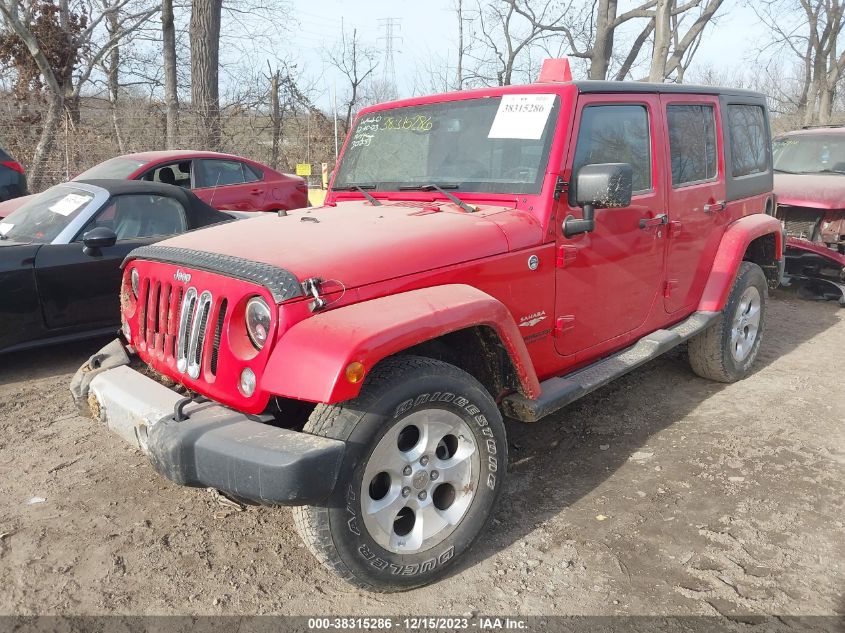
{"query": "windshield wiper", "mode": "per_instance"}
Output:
(362, 190)
(442, 189)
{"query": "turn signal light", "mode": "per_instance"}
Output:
(355, 372)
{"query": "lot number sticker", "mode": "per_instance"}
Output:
(70, 203)
(5, 227)
(521, 116)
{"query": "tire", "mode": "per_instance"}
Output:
(388, 466)
(726, 351)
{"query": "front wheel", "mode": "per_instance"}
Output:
(425, 463)
(726, 351)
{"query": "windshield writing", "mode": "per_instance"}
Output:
(496, 145)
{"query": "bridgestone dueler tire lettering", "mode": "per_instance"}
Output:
(709, 352)
(335, 533)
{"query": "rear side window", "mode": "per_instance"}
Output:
(217, 173)
(615, 134)
(749, 140)
(692, 143)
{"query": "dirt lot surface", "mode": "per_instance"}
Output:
(659, 494)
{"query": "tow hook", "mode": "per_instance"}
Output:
(312, 286)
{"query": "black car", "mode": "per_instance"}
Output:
(60, 254)
(12, 178)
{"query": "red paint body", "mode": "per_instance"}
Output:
(812, 208)
(418, 266)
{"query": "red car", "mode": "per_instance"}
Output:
(810, 187)
(223, 181)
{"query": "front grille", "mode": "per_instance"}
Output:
(801, 223)
(218, 331)
(158, 304)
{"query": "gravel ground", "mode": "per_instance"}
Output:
(661, 494)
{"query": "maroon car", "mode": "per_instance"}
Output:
(223, 181)
(810, 187)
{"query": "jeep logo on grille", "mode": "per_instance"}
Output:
(182, 276)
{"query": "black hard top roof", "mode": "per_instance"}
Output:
(588, 86)
(117, 187)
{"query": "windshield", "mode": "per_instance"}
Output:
(809, 154)
(46, 215)
(493, 144)
(113, 169)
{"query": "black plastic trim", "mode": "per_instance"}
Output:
(282, 284)
(215, 447)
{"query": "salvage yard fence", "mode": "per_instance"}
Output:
(98, 133)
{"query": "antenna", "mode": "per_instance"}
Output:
(388, 77)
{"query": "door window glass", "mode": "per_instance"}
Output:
(749, 140)
(217, 173)
(692, 143)
(178, 174)
(140, 216)
(615, 134)
(251, 174)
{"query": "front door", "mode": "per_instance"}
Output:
(609, 279)
(81, 291)
(696, 195)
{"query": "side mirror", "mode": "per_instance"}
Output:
(95, 239)
(600, 186)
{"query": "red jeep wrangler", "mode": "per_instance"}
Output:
(489, 253)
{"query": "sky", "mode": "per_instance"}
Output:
(431, 25)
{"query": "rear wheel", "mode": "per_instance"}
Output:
(424, 466)
(726, 351)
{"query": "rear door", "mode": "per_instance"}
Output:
(229, 184)
(608, 279)
(696, 195)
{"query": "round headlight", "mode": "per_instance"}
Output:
(135, 279)
(258, 321)
(247, 382)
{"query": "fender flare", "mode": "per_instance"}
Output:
(309, 360)
(738, 235)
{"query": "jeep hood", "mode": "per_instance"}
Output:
(815, 191)
(357, 244)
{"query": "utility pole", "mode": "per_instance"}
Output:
(390, 26)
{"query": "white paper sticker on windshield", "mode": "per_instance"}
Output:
(521, 116)
(5, 227)
(70, 203)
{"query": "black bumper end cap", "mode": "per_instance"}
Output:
(223, 449)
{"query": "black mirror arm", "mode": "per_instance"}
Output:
(575, 226)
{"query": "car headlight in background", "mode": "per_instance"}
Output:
(135, 280)
(258, 321)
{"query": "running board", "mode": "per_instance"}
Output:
(558, 392)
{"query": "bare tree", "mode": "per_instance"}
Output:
(504, 45)
(171, 87)
(56, 48)
(590, 30)
(810, 30)
(205, 65)
(356, 63)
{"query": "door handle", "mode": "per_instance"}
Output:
(714, 206)
(657, 220)
(255, 192)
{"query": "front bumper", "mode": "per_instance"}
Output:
(213, 446)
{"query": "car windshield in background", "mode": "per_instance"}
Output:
(42, 218)
(809, 154)
(112, 169)
(494, 145)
